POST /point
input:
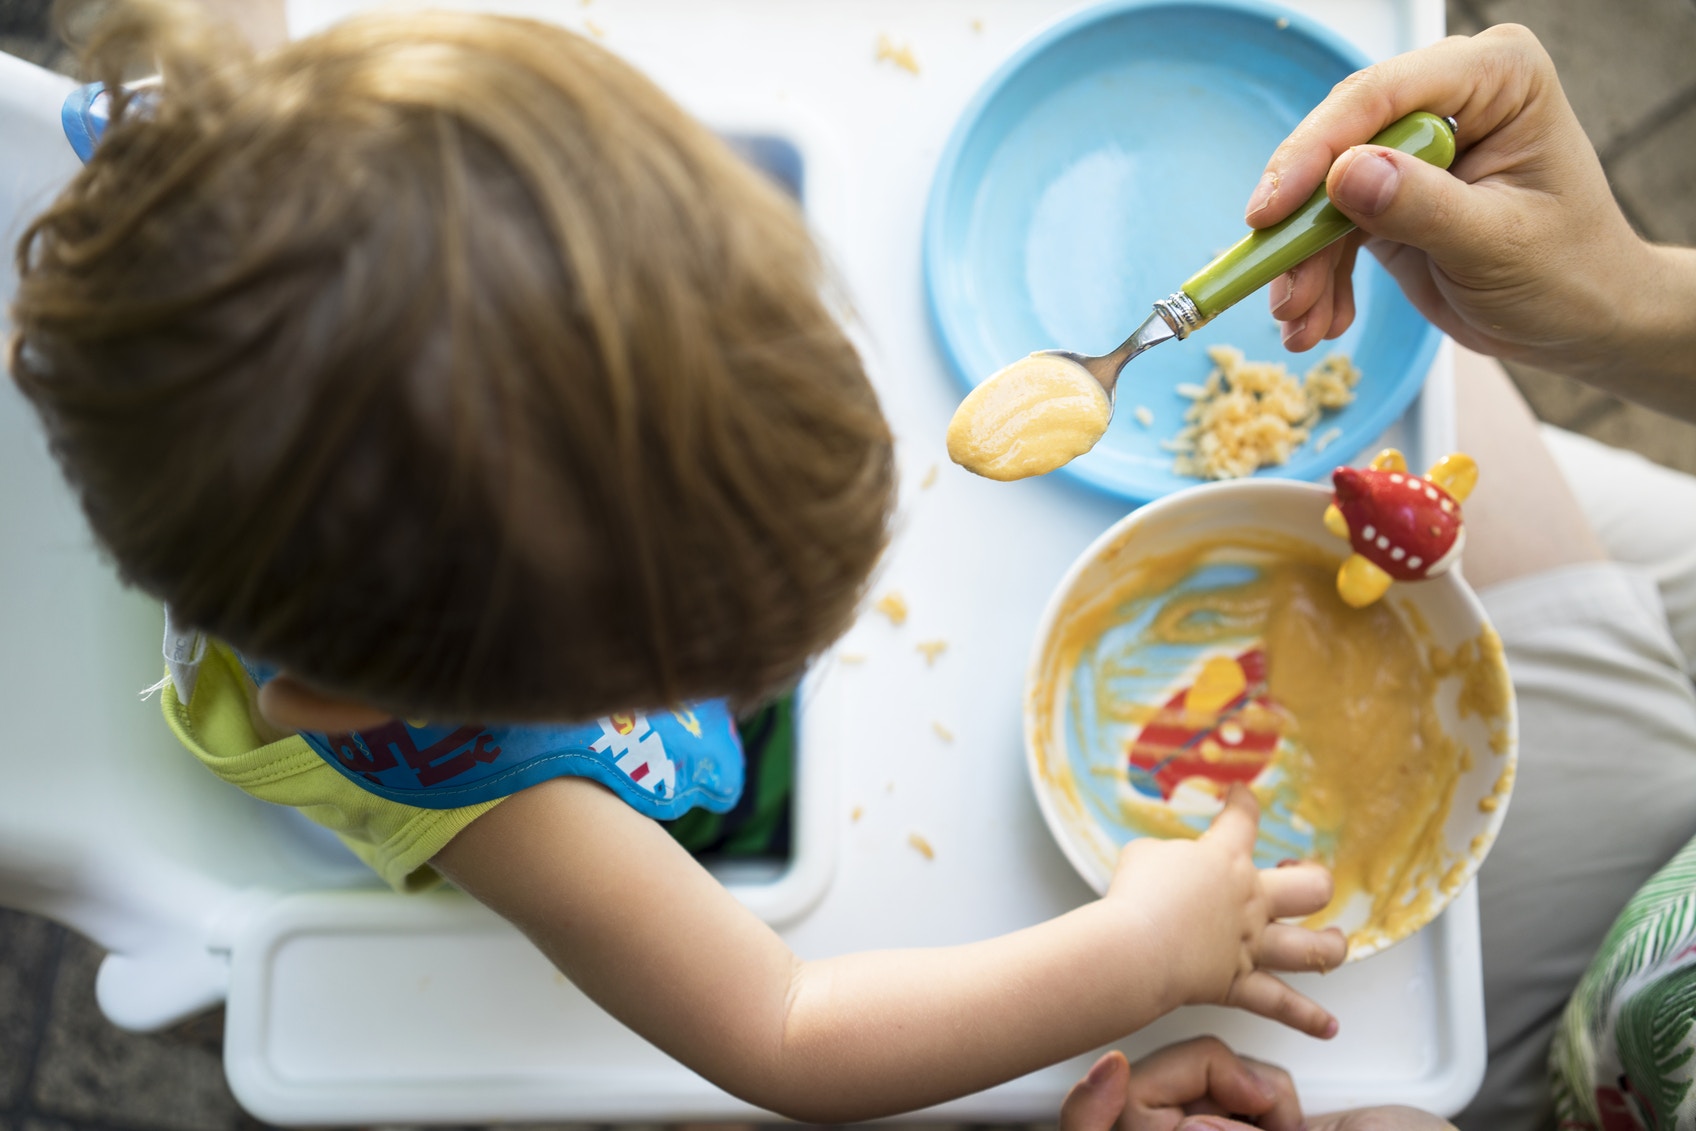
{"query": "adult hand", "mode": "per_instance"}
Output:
(1518, 251)
(1361, 1119)
(1187, 1087)
(1379, 1119)
(1162, 1089)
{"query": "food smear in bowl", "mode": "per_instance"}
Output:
(1232, 660)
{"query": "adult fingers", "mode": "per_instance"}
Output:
(1260, 992)
(1391, 1118)
(1200, 1073)
(1394, 196)
(1096, 1101)
(1411, 269)
(1482, 81)
(1285, 1112)
(1342, 301)
(1302, 334)
(1295, 292)
(1284, 946)
(1315, 299)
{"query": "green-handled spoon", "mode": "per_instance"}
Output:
(1263, 255)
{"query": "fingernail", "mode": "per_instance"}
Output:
(1263, 193)
(1203, 1123)
(1294, 329)
(1331, 1029)
(1282, 288)
(1368, 183)
(1098, 1073)
(1288, 863)
(1263, 1086)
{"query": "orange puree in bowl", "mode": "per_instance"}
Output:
(1363, 758)
(1370, 759)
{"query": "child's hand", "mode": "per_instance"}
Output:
(1213, 914)
(1198, 1077)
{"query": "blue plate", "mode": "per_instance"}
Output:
(1104, 164)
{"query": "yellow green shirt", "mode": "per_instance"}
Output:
(218, 726)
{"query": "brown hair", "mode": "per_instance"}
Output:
(442, 360)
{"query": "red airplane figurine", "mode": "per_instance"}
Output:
(1402, 527)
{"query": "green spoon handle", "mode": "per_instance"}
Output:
(1263, 255)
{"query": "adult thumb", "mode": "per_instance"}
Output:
(1096, 1102)
(1398, 197)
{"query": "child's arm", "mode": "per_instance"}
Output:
(646, 932)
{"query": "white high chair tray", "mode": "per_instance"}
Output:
(358, 1006)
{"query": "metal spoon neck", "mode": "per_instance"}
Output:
(1179, 311)
(1156, 328)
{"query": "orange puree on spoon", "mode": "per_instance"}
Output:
(1035, 415)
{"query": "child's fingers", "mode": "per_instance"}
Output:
(1296, 889)
(1260, 992)
(1237, 824)
(1284, 946)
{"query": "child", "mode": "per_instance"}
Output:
(442, 365)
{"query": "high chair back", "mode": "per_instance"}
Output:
(106, 824)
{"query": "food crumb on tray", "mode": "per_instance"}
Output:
(893, 606)
(921, 846)
(942, 732)
(931, 649)
(901, 55)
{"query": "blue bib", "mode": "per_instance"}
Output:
(662, 764)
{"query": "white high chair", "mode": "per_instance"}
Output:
(105, 826)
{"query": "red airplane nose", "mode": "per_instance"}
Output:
(1350, 484)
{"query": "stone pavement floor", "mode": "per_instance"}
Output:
(1627, 68)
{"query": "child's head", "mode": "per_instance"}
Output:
(443, 361)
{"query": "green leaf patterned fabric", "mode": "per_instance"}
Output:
(1624, 1055)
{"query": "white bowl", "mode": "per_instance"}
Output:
(1079, 736)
